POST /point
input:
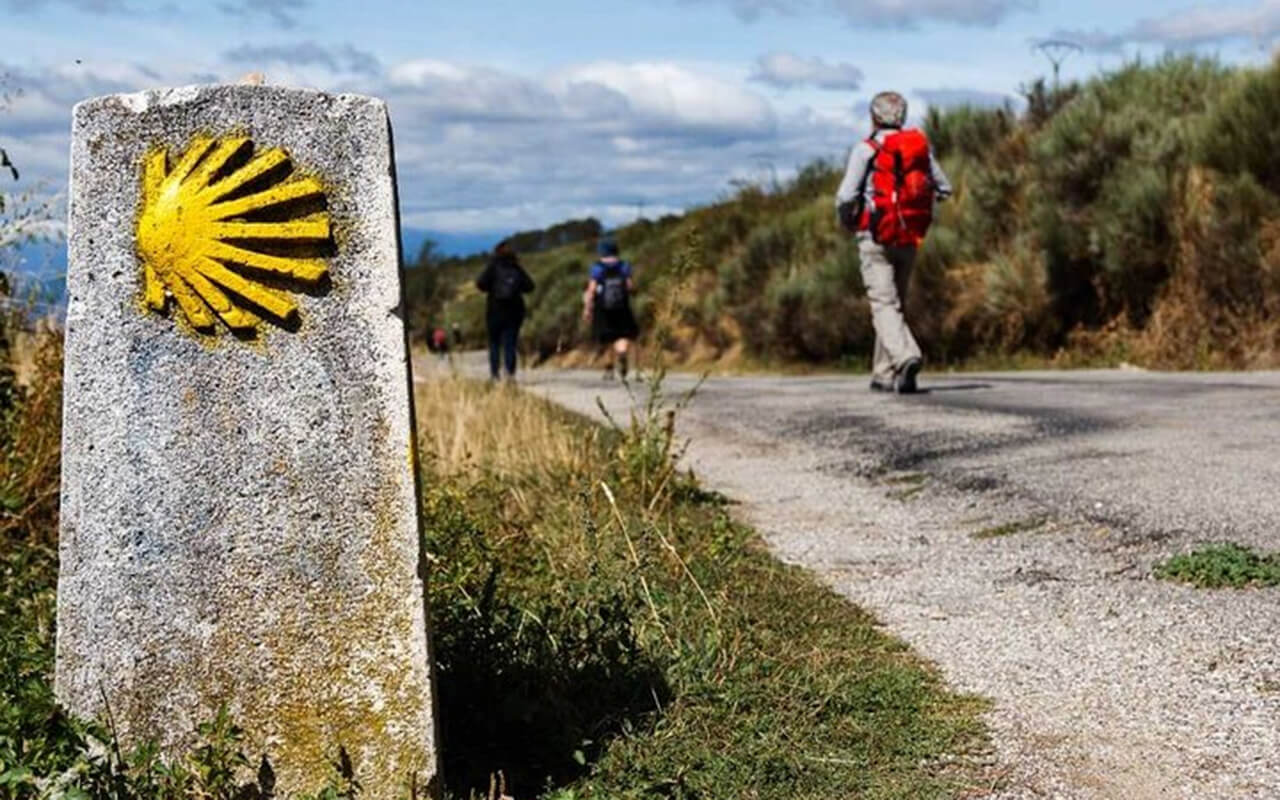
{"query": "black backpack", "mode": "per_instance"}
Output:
(507, 281)
(613, 288)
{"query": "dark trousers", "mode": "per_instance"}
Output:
(503, 335)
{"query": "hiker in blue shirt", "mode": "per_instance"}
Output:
(607, 306)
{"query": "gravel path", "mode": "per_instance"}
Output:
(1106, 683)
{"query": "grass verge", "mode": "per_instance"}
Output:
(1222, 566)
(604, 629)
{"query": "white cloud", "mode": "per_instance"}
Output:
(284, 13)
(671, 97)
(92, 6)
(422, 71)
(1205, 24)
(1095, 40)
(1189, 27)
(788, 71)
(442, 91)
(886, 13)
(344, 59)
(950, 98)
(484, 149)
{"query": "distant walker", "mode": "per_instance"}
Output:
(607, 306)
(506, 283)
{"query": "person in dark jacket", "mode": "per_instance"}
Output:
(505, 283)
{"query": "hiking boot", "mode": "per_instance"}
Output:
(904, 382)
(878, 385)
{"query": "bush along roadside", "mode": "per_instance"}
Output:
(603, 628)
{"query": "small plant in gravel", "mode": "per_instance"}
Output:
(1222, 566)
(1011, 528)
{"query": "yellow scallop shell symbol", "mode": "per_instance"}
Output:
(216, 225)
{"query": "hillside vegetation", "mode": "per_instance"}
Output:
(1135, 217)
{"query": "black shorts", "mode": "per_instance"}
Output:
(610, 326)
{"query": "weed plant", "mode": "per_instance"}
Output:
(1221, 566)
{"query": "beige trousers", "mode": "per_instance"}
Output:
(886, 272)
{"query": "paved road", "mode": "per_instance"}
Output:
(1106, 683)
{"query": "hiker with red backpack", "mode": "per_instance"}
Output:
(887, 199)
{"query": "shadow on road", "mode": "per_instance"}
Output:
(959, 387)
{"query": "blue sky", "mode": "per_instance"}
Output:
(512, 114)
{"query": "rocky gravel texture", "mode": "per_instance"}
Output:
(1006, 526)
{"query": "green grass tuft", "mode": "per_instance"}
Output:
(1222, 566)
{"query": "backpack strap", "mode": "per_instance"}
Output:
(860, 199)
(871, 165)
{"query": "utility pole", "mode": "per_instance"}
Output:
(1057, 51)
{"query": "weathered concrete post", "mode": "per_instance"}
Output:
(239, 509)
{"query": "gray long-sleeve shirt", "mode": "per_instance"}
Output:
(860, 160)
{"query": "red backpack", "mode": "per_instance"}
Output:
(902, 190)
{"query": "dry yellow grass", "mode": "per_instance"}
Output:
(29, 338)
(31, 438)
(467, 426)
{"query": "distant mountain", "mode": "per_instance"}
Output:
(37, 271)
(40, 258)
(40, 267)
(449, 244)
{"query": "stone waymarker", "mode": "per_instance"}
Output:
(239, 509)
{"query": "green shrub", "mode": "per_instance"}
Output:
(992, 212)
(1044, 101)
(768, 248)
(1017, 297)
(816, 317)
(1134, 236)
(554, 322)
(1103, 172)
(967, 131)
(816, 180)
(1241, 133)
